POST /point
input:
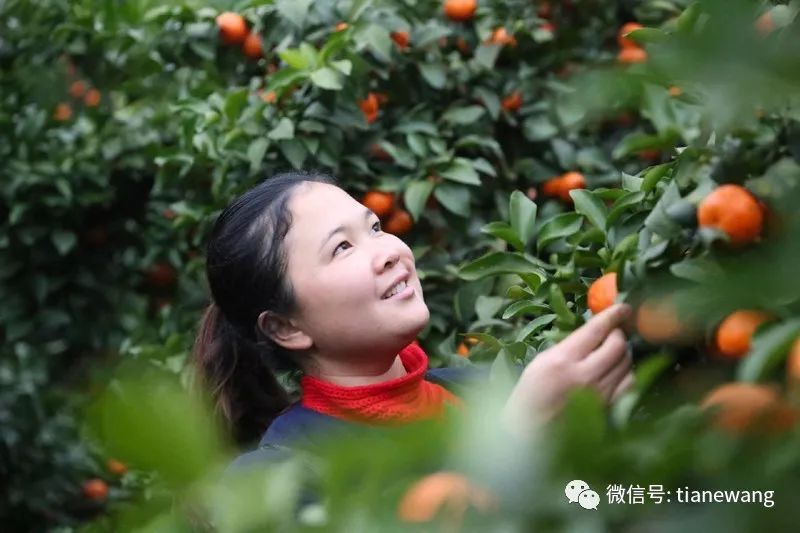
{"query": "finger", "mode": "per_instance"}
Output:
(623, 387)
(600, 362)
(589, 336)
(609, 383)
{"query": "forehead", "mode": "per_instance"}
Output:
(318, 207)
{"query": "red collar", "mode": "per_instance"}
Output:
(397, 401)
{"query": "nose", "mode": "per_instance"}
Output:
(387, 257)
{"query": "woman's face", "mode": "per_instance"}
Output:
(341, 266)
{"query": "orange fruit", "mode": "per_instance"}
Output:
(793, 362)
(765, 23)
(675, 91)
(63, 112)
(369, 106)
(450, 492)
(462, 350)
(602, 292)
(657, 322)
(502, 37)
(116, 467)
(341, 26)
(399, 222)
(549, 26)
(161, 275)
(381, 203)
(400, 38)
(552, 187)
(632, 55)
(512, 102)
(626, 28)
(269, 97)
(460, 10)
(77, 89)
(570, 181)
(95, 489)
(462, 46)
(92, 98)
(232, 27)
(253, 46)
(735, 332)
(741, 407)
(732, 209)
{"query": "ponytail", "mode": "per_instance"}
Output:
(245, 393)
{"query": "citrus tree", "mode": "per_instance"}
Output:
(543, 159)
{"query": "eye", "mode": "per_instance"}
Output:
(376, 226)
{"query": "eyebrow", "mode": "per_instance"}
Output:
(367, 213)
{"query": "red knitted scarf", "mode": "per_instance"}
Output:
(397, 401)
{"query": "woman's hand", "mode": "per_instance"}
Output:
(594, 355)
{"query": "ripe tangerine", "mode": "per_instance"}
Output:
(602, 292)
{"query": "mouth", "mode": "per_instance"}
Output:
(400, 289)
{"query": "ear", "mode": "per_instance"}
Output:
(283, 331)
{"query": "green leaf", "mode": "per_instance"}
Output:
(463, 115)
(255, 153)
(64, 241)
(622, 204)
(461, 170)
(486, 307)
(455, 198)
(486, 55)
(522, 215)
(495, 263)
(294, 151)
(416, 195)
(327, 78)
(234, 104)
(698, 269)
(503, 231)
(535, 325)
(590, 206)
(647, 35)
(646, 374)
(434, 74)
(345, 66)
(559, 304)
(538, 128)
(295, 58)
(558, 227)
(378, 41)
(282, 131)
(654, 175)
(295, 11)
(524, 307)
(770, 345)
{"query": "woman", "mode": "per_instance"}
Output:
(302, 278)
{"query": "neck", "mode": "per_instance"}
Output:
(353, 375)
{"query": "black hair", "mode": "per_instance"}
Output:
(246, 264)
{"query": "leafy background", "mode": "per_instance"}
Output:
(105, 212)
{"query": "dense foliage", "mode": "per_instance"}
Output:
(529, 148)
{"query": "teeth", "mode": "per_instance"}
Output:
(397, 288)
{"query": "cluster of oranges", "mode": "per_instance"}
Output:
(394, 219)
(96, 489)
(80, 91)
(734, 211)
(630, 51)
(559, 186)
(233, 30)
(446, 494)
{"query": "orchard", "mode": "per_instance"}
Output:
(543, 159)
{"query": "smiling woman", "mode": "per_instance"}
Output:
(303, 279)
